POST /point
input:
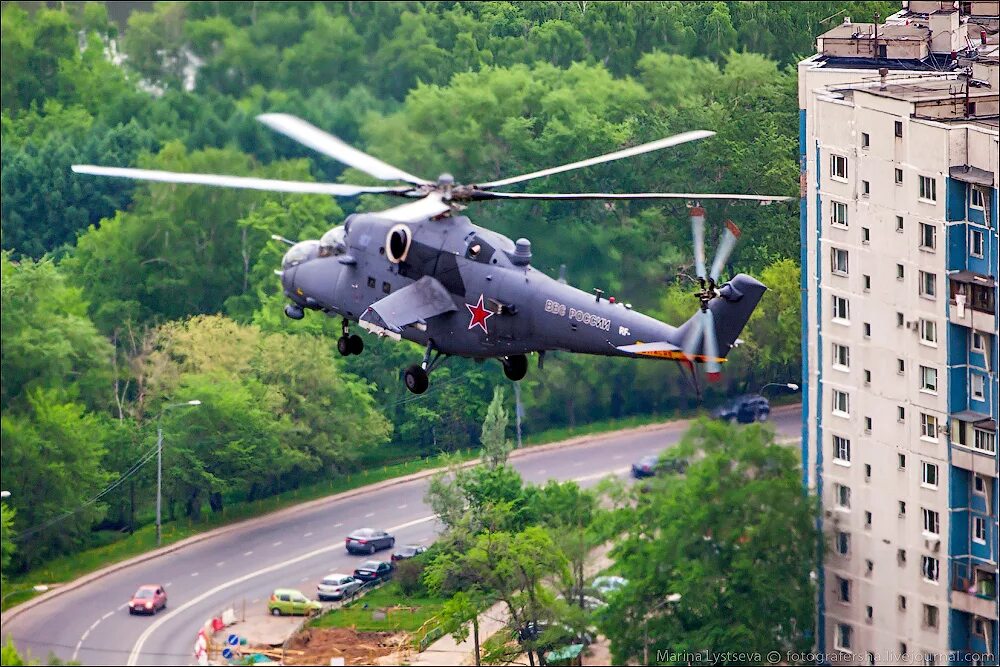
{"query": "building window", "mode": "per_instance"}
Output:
(930, 616)
(899, 223)
(932, 522)
(866, 188)
(843, 589)
(867, 329)
(843, 543)
(839, 261)
(901, 560)
(900, 413)
(976, 240)
(868, 425)
(928, 426)
(898, 128)
(928, 285)
(841, 357)
(928, 379)
(899, 319)
(929, 474)
(901, 461)
(866, 236)
(868, 376)
(899, 176)
(979, 484)
(866, 140)
(977, 386)
(841, 403)
(868, 472)
(841, 309)
(931, 568)
(978, 342)
(900, 366)
(976, 198)
(979, 626)
(845, 637)
(869, 567)
(900, 272)
(843, 494)
(979, 529)
(870, 614)
(902, 603)
(841, 449)
(838, 213)
(902, 508)
(928, 331)
(928, 188)
(928, 236)
(984, 441)
(866, 281)
(868, 521)
(902, 648)
(386, 288)
(838, 167)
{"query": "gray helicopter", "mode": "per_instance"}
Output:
(423, 272)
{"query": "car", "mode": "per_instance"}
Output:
(552, 634)
(374, 570)
(290, 602)
(409, 551)
(609, 584)
(648, 466)
(368, 541)
(337, 586)
(744, 409)
(590, 603)
(149, 599)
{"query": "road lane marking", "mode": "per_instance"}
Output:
(94, 624)
(248, 553)
(601, 475)
(123, 606)
(133, 656)
(307, 535)
(370, 514)
(76, 651)
(616, 457)
(194, 574)
(220, 563)
(107, 615)
(402, 507)
(169, 583)
(337, 525)
(304, 579)
(277, 544)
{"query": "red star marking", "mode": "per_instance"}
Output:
(479, 315)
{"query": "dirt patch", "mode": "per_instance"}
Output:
(318, 645)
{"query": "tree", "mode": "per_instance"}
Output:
(458, 614)
(7, 535)
(735, 536)
(494, 440)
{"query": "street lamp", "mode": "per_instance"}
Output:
(38, 588)
(159, 463)
(670, 599)
(786, 385)
(5, 494)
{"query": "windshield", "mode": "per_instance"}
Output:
(144, 593)
(299, 253)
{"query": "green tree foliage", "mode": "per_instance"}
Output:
(494, 440)
(7, 535)
(735, 537)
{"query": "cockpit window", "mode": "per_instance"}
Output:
(332, 243)
(299, 253)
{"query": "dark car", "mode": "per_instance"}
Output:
(374, 570)
(649, 466)
(409, 551)
(368, 541)
(745, 409)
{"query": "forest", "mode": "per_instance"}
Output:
(122, 300)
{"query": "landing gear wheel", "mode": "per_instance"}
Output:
(344, 346)
(416, 380)
(515, 367)
(355, 344)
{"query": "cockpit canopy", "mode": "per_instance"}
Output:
(332, 243)
(300, 252)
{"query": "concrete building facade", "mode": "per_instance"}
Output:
(900, 257)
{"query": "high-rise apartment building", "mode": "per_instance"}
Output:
(900, 258)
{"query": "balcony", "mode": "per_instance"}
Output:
(973, 300)
(974, 589)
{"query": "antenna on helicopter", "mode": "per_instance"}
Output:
(279, 237)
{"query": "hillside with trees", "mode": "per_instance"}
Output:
(120, 298)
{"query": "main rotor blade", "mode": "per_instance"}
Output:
(698, 235)
(726, 244)
(684, 137)
(245, 182)
(329, 145)
(430, 206)
(488, 194)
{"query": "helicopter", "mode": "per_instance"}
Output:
(423, 272)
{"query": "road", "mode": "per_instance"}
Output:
(92, 624)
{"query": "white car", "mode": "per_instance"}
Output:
(337, 586)
(610, 584)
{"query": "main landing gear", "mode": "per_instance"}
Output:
(349, 343)
(417, 377)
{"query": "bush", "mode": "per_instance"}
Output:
(409, 576)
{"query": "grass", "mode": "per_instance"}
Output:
(360, 614)
(67, 568)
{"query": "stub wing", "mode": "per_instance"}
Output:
(414, 304)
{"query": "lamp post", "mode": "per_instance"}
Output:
(5, 494)
(670, 599)
(159, 463)
(786, 385)
(38, 588)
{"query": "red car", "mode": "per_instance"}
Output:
(149, 599)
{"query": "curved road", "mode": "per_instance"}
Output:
(92, 625)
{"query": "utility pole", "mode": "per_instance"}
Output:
(518, 410)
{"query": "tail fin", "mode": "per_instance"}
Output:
(731, 311)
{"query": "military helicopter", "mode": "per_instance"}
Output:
(424, 272)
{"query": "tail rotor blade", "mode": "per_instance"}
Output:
(726, 244)
(693, 335)
(711, 348)
(698, 234)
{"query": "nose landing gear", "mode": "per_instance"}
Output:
(349, 343)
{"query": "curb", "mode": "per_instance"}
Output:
(577, 441)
